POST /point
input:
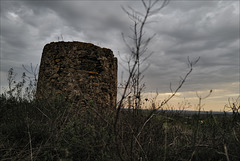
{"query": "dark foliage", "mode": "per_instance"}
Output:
(54, 130)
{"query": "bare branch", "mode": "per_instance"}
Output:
(164, 102)
(137, 51)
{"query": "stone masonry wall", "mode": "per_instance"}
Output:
(81, 72)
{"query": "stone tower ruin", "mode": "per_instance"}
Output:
(80, 72)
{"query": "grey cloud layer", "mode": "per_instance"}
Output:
(206, 29)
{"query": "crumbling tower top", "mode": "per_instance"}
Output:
(80, 72)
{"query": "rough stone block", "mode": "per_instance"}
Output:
(79, 72)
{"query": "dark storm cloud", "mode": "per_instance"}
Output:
(206, 29)
(209, 30)
(97, 22)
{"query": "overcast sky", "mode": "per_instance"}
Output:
(205, 29)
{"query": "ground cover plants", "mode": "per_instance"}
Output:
(54, 130)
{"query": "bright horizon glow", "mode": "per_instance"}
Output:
(189, 100)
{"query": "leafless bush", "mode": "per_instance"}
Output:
(233, 105)
(25, 88)
(133, 87)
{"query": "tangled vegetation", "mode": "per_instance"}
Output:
(55, 130)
